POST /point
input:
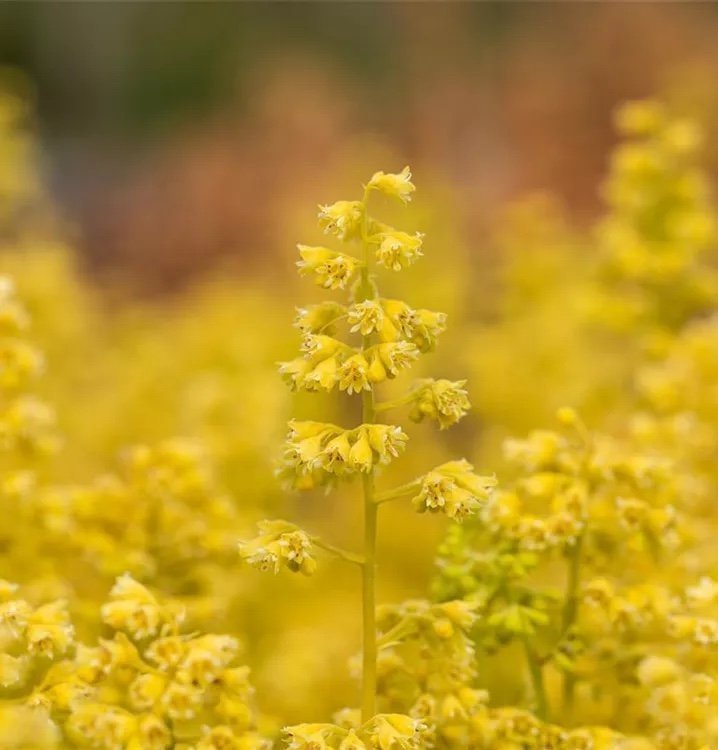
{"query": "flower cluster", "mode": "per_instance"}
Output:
(148, 686)
(317, 452)
(582, 499)
(382, 732)
(30, 637)
(445, 401)
(279, 544)
(454, 489)
(26, 423)
(159, 515)
(402, 334)
(661, 224)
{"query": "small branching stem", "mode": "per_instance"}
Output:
(342, 554)
(401, 630)
(397, 492)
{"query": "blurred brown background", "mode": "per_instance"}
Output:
(177, 134)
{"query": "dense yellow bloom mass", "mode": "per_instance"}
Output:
(576, 605)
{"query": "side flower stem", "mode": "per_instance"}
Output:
(342, 554)
(398, 492)
(386, 405)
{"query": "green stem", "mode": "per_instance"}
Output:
(537, 681)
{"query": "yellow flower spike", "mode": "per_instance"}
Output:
(393, 336)
(394, 185)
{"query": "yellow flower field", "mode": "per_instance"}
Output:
(396, 500)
